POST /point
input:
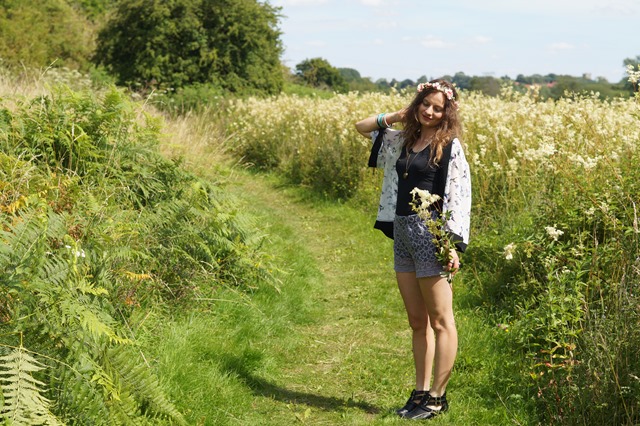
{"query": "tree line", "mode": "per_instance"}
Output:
(319, 73)
(202, 48)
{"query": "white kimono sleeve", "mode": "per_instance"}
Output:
(457, 196)
(387, 157)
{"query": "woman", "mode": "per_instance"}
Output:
(427, 155)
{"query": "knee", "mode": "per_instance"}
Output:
(418, 323)
(442, 323)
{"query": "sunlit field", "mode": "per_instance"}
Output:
(114, 213)
(554, 257)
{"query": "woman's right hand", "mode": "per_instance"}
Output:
(399, 116)
(369, 124)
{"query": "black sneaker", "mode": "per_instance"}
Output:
(412, 402)
(422, 410)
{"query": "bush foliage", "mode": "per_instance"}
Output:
(96, 230)
(37, 34)
(231, 44)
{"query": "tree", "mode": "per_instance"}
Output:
(36, 34)
(485, 84)
(634, 62)
(407, 82)
(461, 80)
(92, 8)
(350, 74)
(232, 44)
(521, 79)
(356, 82)
(318, 72)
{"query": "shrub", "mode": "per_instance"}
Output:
(37, 34)
(96, 229)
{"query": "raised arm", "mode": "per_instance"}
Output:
(369, 124)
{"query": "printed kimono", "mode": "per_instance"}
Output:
(452, 183)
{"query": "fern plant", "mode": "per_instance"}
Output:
(97, 227)
(24, 400)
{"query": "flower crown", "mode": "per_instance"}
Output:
(448, 91)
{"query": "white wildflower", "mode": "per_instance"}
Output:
(509, 249)
(426, 198)
(543, 152)
(553, 232)
(547, 149)
(77, 253)
(475, 159)
(587, 163)
(422, 201)
(634, 76)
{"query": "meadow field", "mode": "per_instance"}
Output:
(553, 258)
(117, 218)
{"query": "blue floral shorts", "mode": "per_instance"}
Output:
(413, 247)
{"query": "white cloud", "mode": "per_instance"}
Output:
(387, 25)
(621, 8)
(482, 39)
(432, 42)
(560, 46)
(371, 2)
(594, 8)
(316, 43)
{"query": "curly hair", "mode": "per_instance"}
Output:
(449, 128)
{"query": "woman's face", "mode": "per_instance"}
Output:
(431, 110)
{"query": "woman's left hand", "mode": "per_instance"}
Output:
(454, 263)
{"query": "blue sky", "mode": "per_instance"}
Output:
(409, 38)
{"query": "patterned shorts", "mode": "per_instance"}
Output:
(413, 248)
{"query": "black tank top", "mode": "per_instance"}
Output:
(421, 174)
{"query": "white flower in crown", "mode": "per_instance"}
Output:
(448, 92)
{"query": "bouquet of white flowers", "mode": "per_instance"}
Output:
(421, 204)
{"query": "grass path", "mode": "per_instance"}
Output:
(332, 345)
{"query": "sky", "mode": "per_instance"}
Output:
(407, 39)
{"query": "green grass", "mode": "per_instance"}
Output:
(332, 346)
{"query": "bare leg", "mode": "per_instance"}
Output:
(423, 342)
(438, 297)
